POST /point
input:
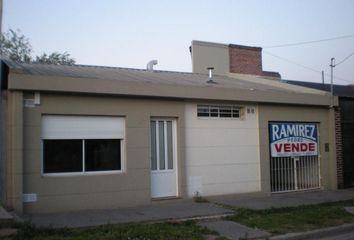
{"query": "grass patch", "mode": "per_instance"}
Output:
(295, 219)
(156, 231)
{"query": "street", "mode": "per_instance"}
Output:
(341, 236)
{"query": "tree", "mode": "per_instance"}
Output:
(17, 47)
(55, 58)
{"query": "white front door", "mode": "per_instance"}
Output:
(163, 158)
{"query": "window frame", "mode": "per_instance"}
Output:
(83, 172)
(122, 139)
(219, 112)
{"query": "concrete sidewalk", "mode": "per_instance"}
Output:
(158, 211)
(233, 230)
(345, 231)
(5, 217)
(284, 199)
(184, 209)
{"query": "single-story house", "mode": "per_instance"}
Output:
(91, 137)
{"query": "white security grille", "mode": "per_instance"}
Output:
(294, 173)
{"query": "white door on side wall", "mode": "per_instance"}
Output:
(163, 158)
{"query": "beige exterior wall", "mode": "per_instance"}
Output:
(323, 116)
(222, 154)
(206, 54)
(14, 151)
(3, 127)
(130, 188)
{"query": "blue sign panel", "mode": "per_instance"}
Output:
(293, 139)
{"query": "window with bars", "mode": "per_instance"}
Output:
(211, 111)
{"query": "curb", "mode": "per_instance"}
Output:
(315, 234)
(201, 218)
(6, 218)
(7, 232)
(143, 221)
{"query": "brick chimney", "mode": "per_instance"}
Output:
(244, 59)
(228, 58)
(248, 60)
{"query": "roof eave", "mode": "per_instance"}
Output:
(121, 87)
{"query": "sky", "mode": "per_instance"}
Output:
(129, 33)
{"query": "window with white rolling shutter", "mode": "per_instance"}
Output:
(82, 144)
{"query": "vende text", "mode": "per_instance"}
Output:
(295, 147)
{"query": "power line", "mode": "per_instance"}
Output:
(309, 42)
(308, 68)
(292, 62)
(346, 58)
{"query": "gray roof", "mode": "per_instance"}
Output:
(162, 84)
(237, 81)
(338, 90)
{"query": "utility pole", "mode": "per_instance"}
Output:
(1, 7)
(332, 65)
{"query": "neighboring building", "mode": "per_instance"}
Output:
(228, 58)
(89, 137)
(344, 129)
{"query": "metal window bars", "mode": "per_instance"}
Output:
(294, 173)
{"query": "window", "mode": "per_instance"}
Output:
(218, 111)
(102, 154)
(161, 144)
(62, 156)
(67, 156)
(75, 144)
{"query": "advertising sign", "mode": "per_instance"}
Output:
(293, 139)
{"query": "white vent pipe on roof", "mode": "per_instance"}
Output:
(210, 69)
(150, 65)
